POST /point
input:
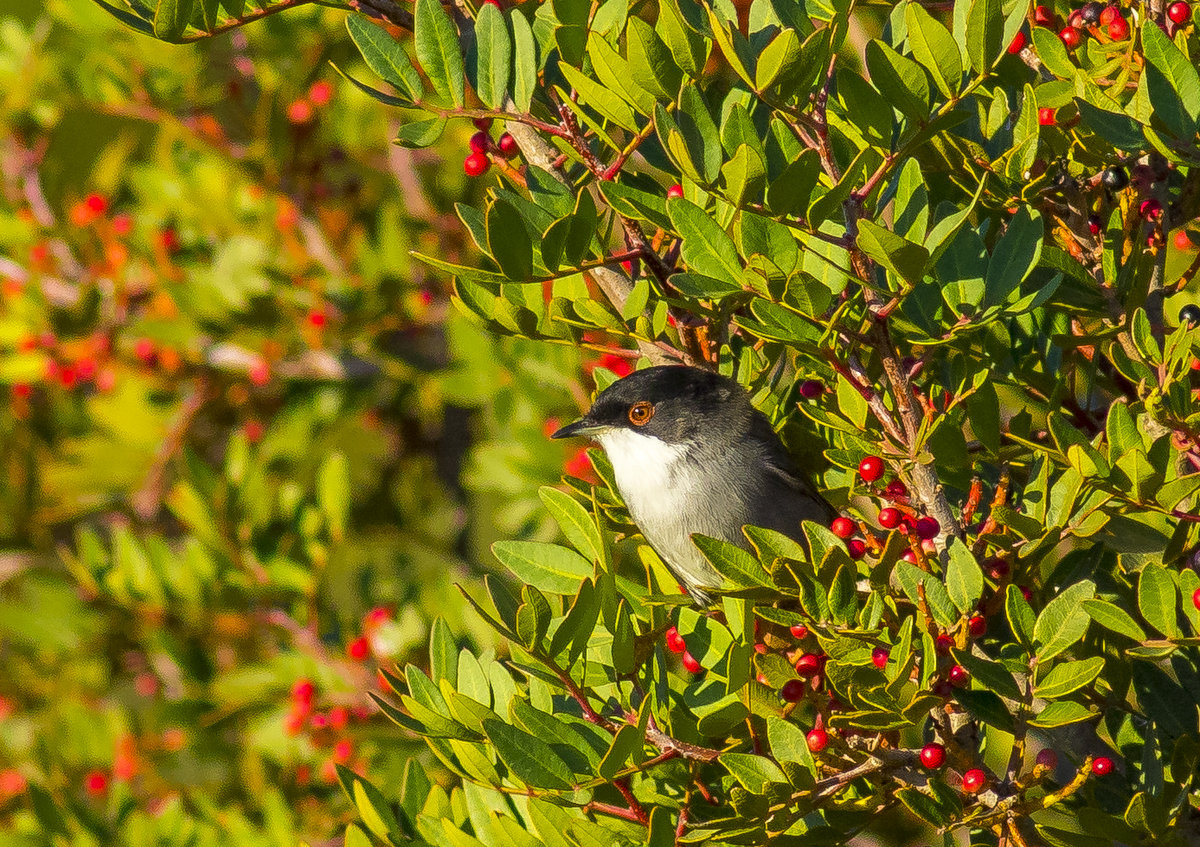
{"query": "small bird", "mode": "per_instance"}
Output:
(691, 454)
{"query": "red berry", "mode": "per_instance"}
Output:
(358, 648)
(169, 239)
(1102, 765)
(927, 528)
(1043, 16)
(896, 490)
(316, 318)
(996, 568)
(792, 690)
(483, 123)
(857, 548)
(1150, 209)
(879, 657)
(295, 721)
(1026, 593)
(1196, 598)
(1046, 116)
(675, 642)
(96, 204)
(507, 145)
(843, 527)
(1070, 37)
(1118, 30)
(377, 616)
(800, 631)
(260, 372)
(959, 676)
(300, 112)
(943, 643)
(320, 92)
(675, 191)
(1109, 14)
(476, 164)
(1017, 44)
(320, 721)
(96, 783)
(811, 389)
(342, 751)
(1046, 758)
(22, 390)
(974, 781)
(870, 468)
(690, 664)
(890, 518)
(977, 626)
(909, 556)
(817, 739)
(339, 716)
(1183, 240)
(1094, 224)
(479, 142)
(808, 665)
(303, 691)
(1179, 12)
(933, 756)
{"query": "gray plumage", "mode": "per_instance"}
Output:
(706, 461)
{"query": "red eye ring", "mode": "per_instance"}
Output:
(641, 413)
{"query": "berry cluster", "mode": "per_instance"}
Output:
(483, 147)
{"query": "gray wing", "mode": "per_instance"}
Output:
(794, 498)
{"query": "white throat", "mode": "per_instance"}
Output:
(645, 468)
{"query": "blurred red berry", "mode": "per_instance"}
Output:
(339, 717)
(96, 203)
(303, 691)
(476, 164)
(1183, 239)
(943, 643)
(1196, 598)
(1026, 593)
(843, 527)
(974, 781)
(675, 191)
(319, 721)
(1046, 758)
(800, 631)
(316, 319)
(675, 642)
(12, 783)
(320, 92)
(1043, 16)
(479, 142)
(817, 739)
(303, 774)
(358, 648)
(896, 490)
(811, 389)
(1070, 37)
(578, 464)
(619, 365)
(1150, 209)
(927, 528)
(300, 112)
(96, 783)
(857, 548)
(22, 390)
(1118, 30)
(959, 676)
(169, 239)
(482, 123)
(260, 372)
(253, 430)
(933, 756)
(1102, 765)
(1094, 224)
(792, 690)
(1018, 43)
(145, 684)
(890, 518)
(879, 657)
(295, 721)
(375, 617)
(871, 468)
(1179, 12)
(977, 626)
(690, 664)
(1046, 116)
(39, 253)
(808, 665)
(508, 145)
(342, 751)
(329, 773)
(1109, 14)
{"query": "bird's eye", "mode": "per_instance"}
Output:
(641, 413)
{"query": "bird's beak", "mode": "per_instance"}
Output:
(582, 427)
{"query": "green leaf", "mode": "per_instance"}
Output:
(1053, 53)
(1158, 600)
(625, 744)
(436, 42)
(494, 50)
(940, 606)
(964, 578)
(525, 62)
(385, 56)
(529, 758)
(987, 707)
(899, 79)
(791, 191)
(755, 773)
(443, 653)
(420, 134)
(509, 241)
(1180, 74)
(1067, 677)
(985, 33)
(1114, 618)
(699, 134)
(1020, 615)
(576, 522)
(934, 47)
(788, 743)
(333, 493)
(732, 562)
(1061, 713)
(355, 837)
(171, 18)
(376, 94)
(635, 203)
(992, 676)
(688, 48)
(132, 21)
(650, 62)
(895, 252)
(1015, 255)
(1063, 622)
(599, 97)
(550, 567)
(707, 248)
(781, 54)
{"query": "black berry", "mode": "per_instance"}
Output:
(1115, 178)
(1091, 12)
(1190, 314)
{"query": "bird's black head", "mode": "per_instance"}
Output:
(674, 403)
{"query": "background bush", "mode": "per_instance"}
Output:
(275, 386)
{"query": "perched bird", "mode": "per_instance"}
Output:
(691, 454)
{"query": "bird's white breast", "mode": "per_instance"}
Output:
(647, 470)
